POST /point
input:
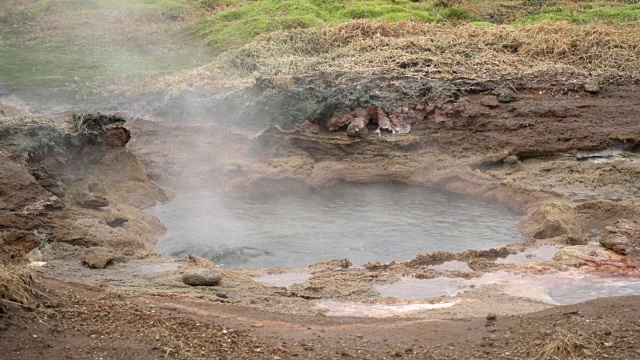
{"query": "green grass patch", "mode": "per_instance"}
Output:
(241, 24)
(615, 13)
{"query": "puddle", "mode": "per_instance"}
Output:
(451, 266)
(543, 253)
(336, 308)
(564, 288)
(422, 289)
(284, 279)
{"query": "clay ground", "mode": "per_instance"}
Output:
(91, 323)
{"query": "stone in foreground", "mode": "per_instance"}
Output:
(202, 277)
(98, 257)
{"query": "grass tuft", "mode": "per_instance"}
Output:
(15, 285)
(566, 346)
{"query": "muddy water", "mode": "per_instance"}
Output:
(361, 222)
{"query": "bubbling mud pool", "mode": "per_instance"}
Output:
(361, 222)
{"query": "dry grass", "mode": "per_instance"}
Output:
(16, 285)
(443, 51)
(566, 346)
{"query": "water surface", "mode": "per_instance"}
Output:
(361, 222)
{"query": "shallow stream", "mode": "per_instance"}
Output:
(361, 222)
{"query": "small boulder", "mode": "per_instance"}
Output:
(98, 257)
(202, 277)
(1, 113)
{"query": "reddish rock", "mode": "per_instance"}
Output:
(623, 238)
(358, 127)
(307, 127)
(94, 201)
(338, 122)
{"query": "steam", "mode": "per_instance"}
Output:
(361, 222)
(78, 55)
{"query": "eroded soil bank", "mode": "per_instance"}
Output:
(561, 153)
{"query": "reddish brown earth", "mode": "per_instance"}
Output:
(85, 322)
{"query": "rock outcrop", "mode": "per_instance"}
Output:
(623, 238)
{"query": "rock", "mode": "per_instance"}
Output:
(53, 204)
(492, 317)
(98, 257)
(55, 190)
(505, 95)
(400, 124)
(490, 102)
(592, 86)
(202, 277)
(358, 127)
(117, 222)
(92, 201)
(575, 240)
(338, 122)
(549, 221)
(307, 127)
(222, 295)
(623, 238)
(581, 255)
(511, 160)
(1, 113)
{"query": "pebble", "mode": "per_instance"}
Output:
(492, 317)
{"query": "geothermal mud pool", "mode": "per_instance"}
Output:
(360, 222)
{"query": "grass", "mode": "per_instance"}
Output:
(611, 13)
(240, 25)
(247, 19)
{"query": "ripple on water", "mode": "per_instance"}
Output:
(361, 222)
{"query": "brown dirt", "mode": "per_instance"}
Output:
(90, 322)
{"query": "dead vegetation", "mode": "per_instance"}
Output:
(415, 49)
(16, 285)
(566, 346)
